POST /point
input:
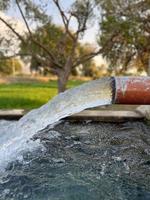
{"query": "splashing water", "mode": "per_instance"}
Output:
(15, 138)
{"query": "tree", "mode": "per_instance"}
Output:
(80, 11)
(10, 66)
(130, 21)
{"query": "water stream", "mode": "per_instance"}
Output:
(15, 137)
(45, 158)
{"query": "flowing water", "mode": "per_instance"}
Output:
(15, 138)
(74, 161)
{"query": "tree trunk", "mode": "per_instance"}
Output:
(62, 83)
(64, 73)
(63, 77)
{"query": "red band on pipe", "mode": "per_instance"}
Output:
(132, 90)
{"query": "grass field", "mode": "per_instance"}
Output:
(29, 95)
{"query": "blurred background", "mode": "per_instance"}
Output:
(49, 46)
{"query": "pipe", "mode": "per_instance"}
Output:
(132, 90)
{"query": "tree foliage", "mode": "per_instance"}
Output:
(34, 11)
(10, 66)
(129, 21)
(53, 38)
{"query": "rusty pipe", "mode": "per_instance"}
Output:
(131, 90)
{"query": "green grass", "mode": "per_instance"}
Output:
(29, 95)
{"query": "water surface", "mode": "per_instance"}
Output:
(83, 161)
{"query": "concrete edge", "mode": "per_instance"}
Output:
(94, 115)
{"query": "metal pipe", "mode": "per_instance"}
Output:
(132, 90)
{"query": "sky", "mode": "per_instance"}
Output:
(90, 34)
